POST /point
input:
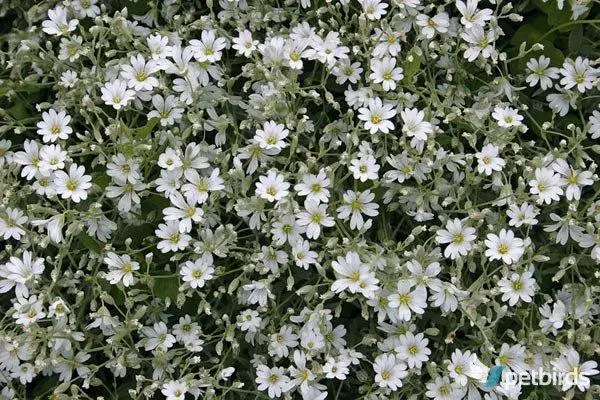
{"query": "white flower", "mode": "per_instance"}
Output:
(272, 187)
(578, 73)
(123, 169)
(560, 102)
(54, 125)
(406, 301)
(282, 341)
(5, 153)
(303, 256)
(11, 225)
(413, 349)
(209, 47)
(313, 218)
(554, 318)
(244, 44)
(86, 8)
(594, 123)
(248, 320)
(429, 26)
(573, 180)
(199, 187)
(58, 24)
(301, 374)
(354, 276)
(505, 247)
(386, 73)
(471, 15)
(373, 9)
(458, 237)
(185, 212)
(174, 390)
(442, 389)
(157, 337)
(197, 273)
(507, 117)
(73, 185)
(423, 277)
(139, 73)
(314, 187)
(171, 160)
(294, 51)
(364, 168)
(488, 160)
(165, 110)
(120, 269)
(272, 136)
(541, 73)
(116, 94)
(523, 215)
(273, 380)
(569, 363)
(413, 124)
(465, 366)
(346, 71)
(28, 310)
(479, 43)
(52, 157)
(388, 42)
(20, 274)
(127, 193)
(389, 372)
(172, 238)
(355, 205)
(518, 287)
(70, 49)
(336, 368)
(29, 158)
(546, 186)
(68, 79)
(286, 229)
(377, 116)
(512, 357)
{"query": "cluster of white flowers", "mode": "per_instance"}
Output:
(303, 199)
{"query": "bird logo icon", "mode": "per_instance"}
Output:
(494, 376)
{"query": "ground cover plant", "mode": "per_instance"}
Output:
(300, 199)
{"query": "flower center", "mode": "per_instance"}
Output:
(356, 205)
(71, 184)
(413, 350)
(141, 76)
(503, 248)
(127, 268)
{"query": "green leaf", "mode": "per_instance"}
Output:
(575, 39)
(166, 287)
(90, 243)
(101, 179)
(145, 131)
(412, 64)
(18, 111)
(531, 32)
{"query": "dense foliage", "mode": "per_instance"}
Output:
(357, 199)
